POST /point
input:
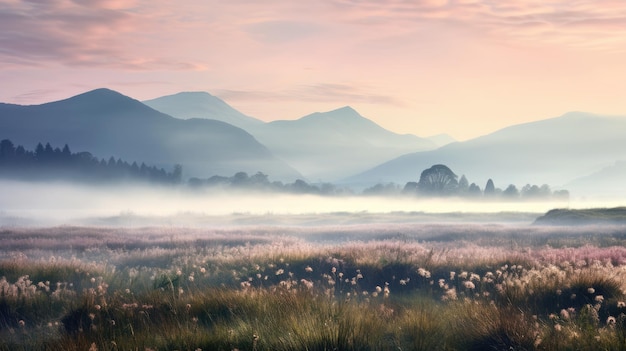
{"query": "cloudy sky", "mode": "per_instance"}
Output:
(463, 67)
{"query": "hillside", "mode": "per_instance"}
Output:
(332, 145)
(110, 124)
(186, 105)
(553, 151)
(593, 216)
(441, 139)
(606, 182)
(324, 146)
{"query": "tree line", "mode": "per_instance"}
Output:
(47, 162)
(260, 182)
(439, 180)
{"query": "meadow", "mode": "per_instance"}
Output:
(401, 281)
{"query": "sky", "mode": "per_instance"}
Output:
(462, 67)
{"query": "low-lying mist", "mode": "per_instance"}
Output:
(26, 203)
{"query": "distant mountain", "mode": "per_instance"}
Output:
(610, 181)
(552, 151)
(332, 145)
(441, 139)
(108, 123)
(323, 146)
(188, 105)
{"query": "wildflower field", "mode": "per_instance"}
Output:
(385, 285)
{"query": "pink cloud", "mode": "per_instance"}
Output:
(323, 92)
(83, 33)
(570, 24)
(123, 34)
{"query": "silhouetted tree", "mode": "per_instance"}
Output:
(490, 189)
(511, 192)
(437, 180)
(143, 170)
(218, 180)
(259, 179)
(530, 191)
(474, 190)
(20, 151)
(7, 149)
(278, 185)
(328, 188)
(66, 151)
(39, 151)
(240, 179)
(545, 190)
(177, 173)
(302, 187)
(463, 185)
(52, 162)
(410, 188)
(382, 189)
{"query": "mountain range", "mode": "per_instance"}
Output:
(607, 182)
(553, 151)
(335, 144)
(323, 146)
(208, 137)
(107, 123)
(203, 105)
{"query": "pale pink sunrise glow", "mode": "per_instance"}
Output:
(463, 67)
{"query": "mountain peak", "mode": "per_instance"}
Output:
(441, 139)
(199, 101)
(100, 92)
(341, 114)
(200, 104)
(345, 109)
(102, 97)
(194, 94)
(107, 123)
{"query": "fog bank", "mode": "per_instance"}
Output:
(63, 203)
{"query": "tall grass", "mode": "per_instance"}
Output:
(276, 289)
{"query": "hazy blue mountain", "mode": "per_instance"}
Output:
(323, 146)
(552, 151)
(441, 139)
(610, 181)
(107, 123)
(188, 105)
(332, 145)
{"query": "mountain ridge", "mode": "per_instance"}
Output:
(109, 123)
(200, 104)
(322, 145)
(552, 151)
(339, 144)
(334, 144)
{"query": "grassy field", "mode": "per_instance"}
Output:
(311, 284)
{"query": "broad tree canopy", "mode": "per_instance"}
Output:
(438, 180)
